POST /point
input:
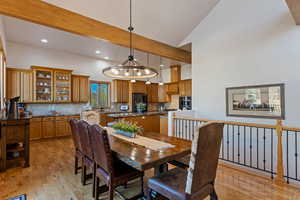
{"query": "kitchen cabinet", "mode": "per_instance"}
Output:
(120, 91)
(61, 126)
(164, 125)
(185, 88)
(48, 127)
(172, 88)
(139, 87)
(42, 84)
(175, 73)
(62, 85)
(162, 94)
(152, 92)
(149, 123)
(80, 88)
(35, 128)
(19, 83)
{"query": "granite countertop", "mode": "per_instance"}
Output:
(123, 115)
(15, 118)
(55, 115)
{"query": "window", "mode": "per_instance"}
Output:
(100, 94)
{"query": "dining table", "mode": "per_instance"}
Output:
(142, 158)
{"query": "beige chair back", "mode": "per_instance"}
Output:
(91, 117)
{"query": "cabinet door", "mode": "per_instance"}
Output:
(154, 93)
(188, 88)
(26, 86)
(61, 128)
(162, 95)
(13, 85)
(84, 89)
(125, 92)
(75, 89)
(149, 93)
(48, 128)
(182, 89)
(35, 129)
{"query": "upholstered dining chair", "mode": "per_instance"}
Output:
(198, 181)
(88, 159)
(109, 169)
(76, 140)
(92, 117)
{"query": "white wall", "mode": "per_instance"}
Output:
(245, 43)
(23, 56)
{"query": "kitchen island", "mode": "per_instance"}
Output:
(149, 121)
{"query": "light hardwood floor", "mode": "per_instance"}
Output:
(50, 177)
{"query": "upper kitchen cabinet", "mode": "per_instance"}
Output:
(120, 91)
(19, 83)
(80, 88)
(172, 88)
(162, 94)
(185, 88)
(152, 91)
(62, 85)
(42, 84)
(175, 73)
(139, 87)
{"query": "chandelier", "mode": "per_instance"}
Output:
(130, 68)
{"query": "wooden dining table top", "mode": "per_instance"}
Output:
(143, 158)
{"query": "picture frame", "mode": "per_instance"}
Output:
(257, 101)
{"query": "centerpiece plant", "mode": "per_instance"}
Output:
(126, 128)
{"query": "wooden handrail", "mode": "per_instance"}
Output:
(279, 179)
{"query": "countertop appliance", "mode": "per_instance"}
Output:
(185, 103)
(12, 107)
(139, 102)
(124, 107)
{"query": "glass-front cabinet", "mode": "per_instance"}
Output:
(62, 86)
(43, 84)
(51, 85)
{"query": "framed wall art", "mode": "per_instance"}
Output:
(259, 101)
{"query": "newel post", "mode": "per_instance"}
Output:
(279, 179)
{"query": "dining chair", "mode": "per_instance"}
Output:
(198, 181)
(88, 159)
(109, 169)
(76, 140)
(91, 117)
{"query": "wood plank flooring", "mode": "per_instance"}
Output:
(50, 177)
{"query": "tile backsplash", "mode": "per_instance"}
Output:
(44, 109)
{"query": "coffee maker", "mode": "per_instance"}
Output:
(12, 107)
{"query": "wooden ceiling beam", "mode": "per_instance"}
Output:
(40, 12)
(294, 6)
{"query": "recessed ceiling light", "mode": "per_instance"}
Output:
(106, 57)
(44, 41)
(97, 52)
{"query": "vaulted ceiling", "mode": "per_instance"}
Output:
(167, 21)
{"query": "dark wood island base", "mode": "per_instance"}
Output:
(14, 143)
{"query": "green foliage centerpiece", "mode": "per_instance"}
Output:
(128, 129)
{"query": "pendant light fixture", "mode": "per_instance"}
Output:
(130, 68)
(160, 82)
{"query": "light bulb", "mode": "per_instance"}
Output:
(126, 73)
(160, 83)
(139, 73)
(133, 81)
(147, 71)
(148, 82)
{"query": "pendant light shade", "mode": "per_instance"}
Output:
(130, 68)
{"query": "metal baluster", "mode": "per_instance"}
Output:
(272, 158)
(239, 153)
(257, 148)
(250, 146)
(223, 146)
(245, 145)
(287, 157)
(227, 142)
(233, 143)
(176, 128)
(296, 155)
(264, 161)
(189, 130)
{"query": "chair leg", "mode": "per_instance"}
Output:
(142, 186)
(149, 197)
(94, 179)
(96, 188)
(111, 193)
(213, 195)
(76, 165)
(83, 177)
